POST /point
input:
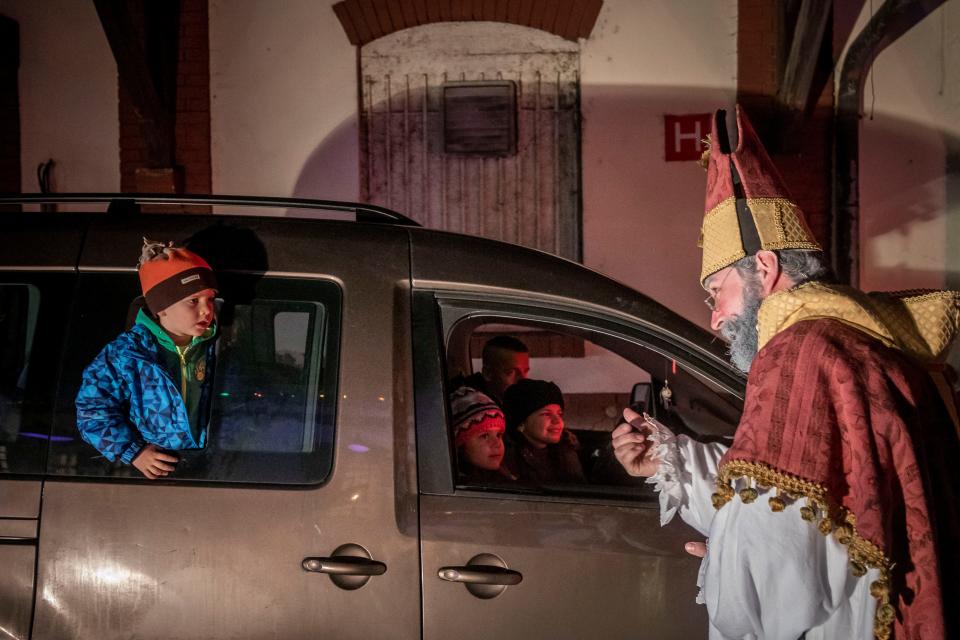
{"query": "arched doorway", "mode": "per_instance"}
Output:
(471, 123)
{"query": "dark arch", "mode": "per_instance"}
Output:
(366, 20)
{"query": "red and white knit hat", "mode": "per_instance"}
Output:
(473, 413)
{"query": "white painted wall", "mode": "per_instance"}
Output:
(284, 122)
(284, 116)
(68, 95)
(641, 215)
(283, 100)
(910, 200)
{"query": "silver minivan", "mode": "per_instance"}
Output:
(327, 502)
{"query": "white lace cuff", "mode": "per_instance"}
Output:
(671, 475)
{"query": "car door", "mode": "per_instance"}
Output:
(292, 522)
(584, 561)
(31, 301)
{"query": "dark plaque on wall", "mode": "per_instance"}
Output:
(480, 118)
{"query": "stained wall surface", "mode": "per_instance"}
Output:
(284, 108)
(283, 100)
(910, 159)
(284, 103)
(68, 96)
(641, 215)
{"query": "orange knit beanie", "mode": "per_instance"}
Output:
(169, 274)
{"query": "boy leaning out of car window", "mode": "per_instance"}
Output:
(146, 394)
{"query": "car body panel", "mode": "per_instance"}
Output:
(589, 570)
(19, 513)
(592, 566)
(130, 559)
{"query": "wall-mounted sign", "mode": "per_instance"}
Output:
(684, 135)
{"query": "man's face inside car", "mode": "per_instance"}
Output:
(505, 368)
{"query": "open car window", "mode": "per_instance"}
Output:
(599, 374)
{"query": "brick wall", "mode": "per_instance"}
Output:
(805, 160)
(758, 54)
(9, 106)
(192, 152)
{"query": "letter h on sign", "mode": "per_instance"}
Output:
(683, 136)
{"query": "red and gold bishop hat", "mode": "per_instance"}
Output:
(747, 207)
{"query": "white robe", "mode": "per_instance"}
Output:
(767, 575)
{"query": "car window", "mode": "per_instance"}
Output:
(598, 374)
(271, 381)
(31, 307)
(266, 378)
(19, 305)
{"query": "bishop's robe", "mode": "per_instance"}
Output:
(835, 511)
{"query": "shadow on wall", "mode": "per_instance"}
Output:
(641, 215)
(332, 172)
(909, 204)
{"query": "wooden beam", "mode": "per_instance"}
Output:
(794, 91)
(144, 38)
(366, 20)
(591, 11)
(343, 15)
(9, 43)
(10, 167)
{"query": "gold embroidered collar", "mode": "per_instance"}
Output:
(920, 323)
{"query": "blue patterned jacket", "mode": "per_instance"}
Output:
(128, 398)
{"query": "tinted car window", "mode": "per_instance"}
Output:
(31, 308)
(19, 304)
(266, 384)
(273, 396)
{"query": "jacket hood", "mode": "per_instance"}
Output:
(144, 320)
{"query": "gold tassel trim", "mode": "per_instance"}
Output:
(777, 504)
(723, 495)
(834, 519)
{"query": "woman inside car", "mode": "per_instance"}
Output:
(541, 450)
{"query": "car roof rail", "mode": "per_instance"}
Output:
(129, 203)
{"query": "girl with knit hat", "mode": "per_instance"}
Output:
(478, 427)
(147, 393)
(545, 452)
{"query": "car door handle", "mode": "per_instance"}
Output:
(478, 574)
(345, 566)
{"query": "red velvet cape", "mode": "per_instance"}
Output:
(830, 405)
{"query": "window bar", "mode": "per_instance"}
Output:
(389, 143)
(407, 183)
(425, 170)
(518, 161)
(463, 184)
(482, 194)
(369, 140)
(463, 195)
(500, 208)
(536, 165)
(444, 164)
(556, 168)
(482, 198)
